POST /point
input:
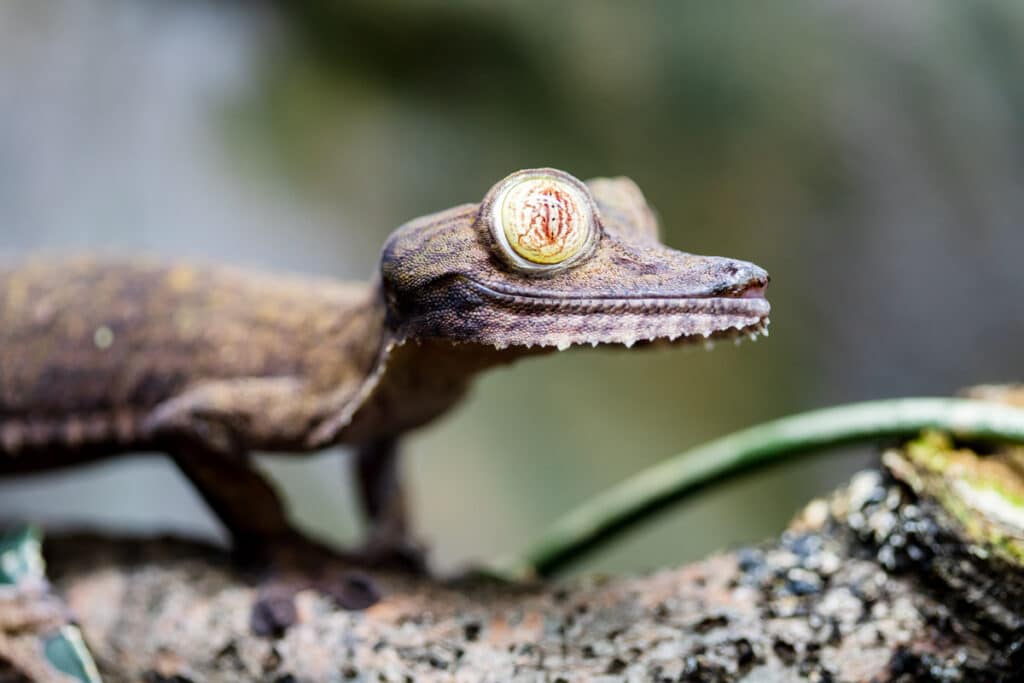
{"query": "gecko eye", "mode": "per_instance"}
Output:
(542, 220)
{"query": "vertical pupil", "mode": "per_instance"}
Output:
(543, 220)
(551, 216)
(548, 218)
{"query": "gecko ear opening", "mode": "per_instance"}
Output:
(541, 221)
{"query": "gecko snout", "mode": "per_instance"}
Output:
(743, 280)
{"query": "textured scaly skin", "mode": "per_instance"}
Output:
(90, 350)
(100, 357)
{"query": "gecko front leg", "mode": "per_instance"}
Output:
(286, 560)
(211, 429)
(243, 500)
(384, 505)
(209, 432)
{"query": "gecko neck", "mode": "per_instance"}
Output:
(418, 380)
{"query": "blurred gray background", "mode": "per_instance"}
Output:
(868, 153)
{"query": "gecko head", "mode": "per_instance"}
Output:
(546, 260)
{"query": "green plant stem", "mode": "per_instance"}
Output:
(599, 519)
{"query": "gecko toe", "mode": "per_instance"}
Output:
(274, 611)
(351, 591)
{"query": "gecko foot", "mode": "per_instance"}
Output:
(274, 611)
(289, 566)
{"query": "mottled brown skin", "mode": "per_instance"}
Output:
(100, 357)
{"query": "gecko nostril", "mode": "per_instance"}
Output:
(750, 275)
(741, 279)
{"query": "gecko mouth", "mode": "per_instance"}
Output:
(741, 301)
(548, 318)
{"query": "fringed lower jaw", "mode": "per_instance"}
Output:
(629, 322)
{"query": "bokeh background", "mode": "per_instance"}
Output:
(868, 153)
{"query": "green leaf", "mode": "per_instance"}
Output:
(67, 652)
(21, 556)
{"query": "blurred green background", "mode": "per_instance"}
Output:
(868, 153)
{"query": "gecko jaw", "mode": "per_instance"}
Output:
(544, 319)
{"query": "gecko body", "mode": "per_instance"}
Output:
(208, 364)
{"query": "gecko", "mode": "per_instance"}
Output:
(102, 356)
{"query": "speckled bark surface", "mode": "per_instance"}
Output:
(850, 593)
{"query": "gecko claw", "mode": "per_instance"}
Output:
(274, 612)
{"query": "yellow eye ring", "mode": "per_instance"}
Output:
(542, 220)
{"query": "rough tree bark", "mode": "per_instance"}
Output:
(885, 581)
